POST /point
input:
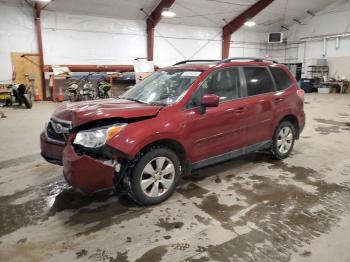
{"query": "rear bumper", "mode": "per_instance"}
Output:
(301, 123)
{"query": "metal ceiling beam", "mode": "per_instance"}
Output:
(238, 22)
(37, 9)
(94, 68)
(152, 22)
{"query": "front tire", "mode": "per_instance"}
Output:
(155, 176)
(283, 140)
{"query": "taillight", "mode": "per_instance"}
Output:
(301, 94)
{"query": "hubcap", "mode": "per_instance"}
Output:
(157, 176)
(285, 140)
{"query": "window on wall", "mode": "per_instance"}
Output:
(282, 79)
(258, 81)
(224, 83)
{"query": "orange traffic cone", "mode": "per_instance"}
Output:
(60, 95)
(36, 94)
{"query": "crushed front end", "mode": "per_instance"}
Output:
(89, 170)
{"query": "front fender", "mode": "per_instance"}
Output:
(140, 134)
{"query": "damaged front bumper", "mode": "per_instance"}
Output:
(89, 173)
(51, 151)
(86, 173)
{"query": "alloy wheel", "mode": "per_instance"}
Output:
(285, 140)
(157, 176)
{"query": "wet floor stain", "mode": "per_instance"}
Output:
(306, 137)
(20, 209)
(69, 199)
(326, 130)
(19, 161)
(168, 226)
(283, 218)
(306, 254)
(200, 259)
(22, 241)
(203, 220)
(17, 211)
(300, 173)
(330, 122)
(128, 240)
(217, 180)
(156, 254)
(103, 255)
(220, 212)
(333, 126)
(81, 253)
(190, 190)
(113, 212)
(121, 257)
(278, 217)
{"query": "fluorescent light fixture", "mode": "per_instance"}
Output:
(168, 13)
(250, 23)
(44, 1)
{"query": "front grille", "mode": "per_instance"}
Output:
(51, 133)
(58, 129)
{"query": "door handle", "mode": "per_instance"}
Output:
(279, 100)
(239, 110)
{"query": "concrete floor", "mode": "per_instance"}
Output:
(248, 209)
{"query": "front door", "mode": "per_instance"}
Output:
(220, 129)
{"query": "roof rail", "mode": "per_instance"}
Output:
(196, 61)
(255, 59)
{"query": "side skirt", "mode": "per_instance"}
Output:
(231, 155)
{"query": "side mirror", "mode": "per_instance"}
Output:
(210, 100)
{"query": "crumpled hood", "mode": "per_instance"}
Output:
(86, 111)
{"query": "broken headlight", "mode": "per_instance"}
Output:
(97, 137)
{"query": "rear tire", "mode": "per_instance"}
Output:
(283, 140)
(27, 101)
(155, 176)
(8, 102)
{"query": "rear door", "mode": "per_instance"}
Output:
(220, 129)
(260, 90)
(286, 99)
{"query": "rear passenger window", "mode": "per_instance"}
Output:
(281, 77)
(258, 81)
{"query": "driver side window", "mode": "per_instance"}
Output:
(224, 83)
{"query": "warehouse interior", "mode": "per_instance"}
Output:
(250, 208)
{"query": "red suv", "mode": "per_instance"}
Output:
(181, 118)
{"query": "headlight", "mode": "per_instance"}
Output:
(94, 138)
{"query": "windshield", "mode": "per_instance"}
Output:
(164, 87)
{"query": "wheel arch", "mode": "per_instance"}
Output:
(170, 143)
(292, 119)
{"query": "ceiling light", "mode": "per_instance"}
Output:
(45, 1)
(168, 13)
(250, 23)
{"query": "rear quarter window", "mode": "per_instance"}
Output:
(282, 79)
(258, 80)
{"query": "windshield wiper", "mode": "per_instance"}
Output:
(134, 100)
(159, 104)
